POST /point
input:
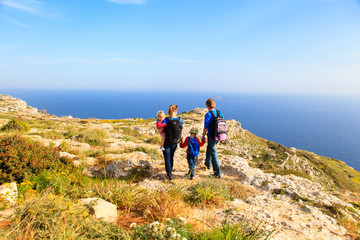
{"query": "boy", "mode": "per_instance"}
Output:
(192, 152)
(211, 152)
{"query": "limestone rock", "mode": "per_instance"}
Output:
(101, 209)
(67, 155)
(9, 193)
(11, 104)
(122, 168)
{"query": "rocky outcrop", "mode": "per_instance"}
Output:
(123, 168)
(10, 104)
(286, 203)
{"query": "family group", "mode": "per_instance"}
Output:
(170, 130)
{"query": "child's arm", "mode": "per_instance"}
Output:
(160, 124)
(203, 141)
(185, 143)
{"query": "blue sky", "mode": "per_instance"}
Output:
(257, 46)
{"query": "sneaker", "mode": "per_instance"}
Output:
(193, 177)
(188, 173)
(162, 149)
(169, 176)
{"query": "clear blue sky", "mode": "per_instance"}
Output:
(262, 46)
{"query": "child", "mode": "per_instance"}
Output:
(211, 152)
(160, 126)
(194, 145)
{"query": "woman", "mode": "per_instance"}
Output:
(173, 134)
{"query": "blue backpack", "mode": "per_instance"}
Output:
(194, 148)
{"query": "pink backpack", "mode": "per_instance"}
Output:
(218, 127)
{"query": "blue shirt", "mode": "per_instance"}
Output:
(166, 120)
(208, 119)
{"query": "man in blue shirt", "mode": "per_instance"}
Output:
(211, 152)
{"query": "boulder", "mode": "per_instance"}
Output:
(9, 193)
(101, 209)
(123, 168)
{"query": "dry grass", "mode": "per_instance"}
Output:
(239, 190)
(164, 204)
(125, 220)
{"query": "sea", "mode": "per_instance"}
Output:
(324, 124)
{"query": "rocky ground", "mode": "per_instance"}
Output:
(295, 207)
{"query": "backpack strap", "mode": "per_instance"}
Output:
(218, 113)
(213, 114)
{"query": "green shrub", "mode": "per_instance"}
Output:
(130, 132)
(55, 217)
(154, 140)
(94, 137)
(50, 134)
(20, 157)
(209, 191)
(16, 125)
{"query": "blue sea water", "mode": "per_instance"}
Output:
(326, 125)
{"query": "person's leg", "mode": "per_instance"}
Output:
(172, 152)
(168, 167)
(188, 160)
(214, 157)
(192, 166)
(208, 156)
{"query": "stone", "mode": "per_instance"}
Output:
(101, 209)
(67, 155)
(9, 193)
(123, 168)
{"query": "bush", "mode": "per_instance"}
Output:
(154, 140)
(16, 125)
(208, 192)
(94, 137)
(130, 132)
(20, 157)
(171, 229)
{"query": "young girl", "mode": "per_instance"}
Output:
(160, 126)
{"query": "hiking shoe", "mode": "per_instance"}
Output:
(169, 176)
(193, 177)
(215, 176)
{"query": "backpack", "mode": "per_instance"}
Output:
(218, 127)
(193, 147)
(173, 131)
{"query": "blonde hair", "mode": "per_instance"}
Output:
(160, 113)
(172, 109)
(210, 103)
